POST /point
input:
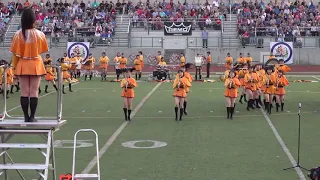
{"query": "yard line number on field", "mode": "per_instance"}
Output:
(110, 141)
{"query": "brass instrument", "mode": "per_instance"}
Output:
(268, 81)
(251, 80)
(127, 83)
(179, 84)
(230, 84)
(278, 82)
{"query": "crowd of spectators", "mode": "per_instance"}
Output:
(284, 20)
(5, 15)
(76, 20)
(153, 15)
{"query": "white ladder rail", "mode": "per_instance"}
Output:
(85, 176)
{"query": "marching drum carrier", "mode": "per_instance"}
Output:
(161, 73)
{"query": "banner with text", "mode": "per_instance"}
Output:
(177, 28)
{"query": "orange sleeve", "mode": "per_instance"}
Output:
(284, 81)
(236, 82)
(133, 82)
(14, 61)
(286, 68)
(186, 82)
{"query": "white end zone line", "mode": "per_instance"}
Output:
(110, 141)
(284, 147)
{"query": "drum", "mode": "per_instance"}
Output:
(155, 73)
(162, 75)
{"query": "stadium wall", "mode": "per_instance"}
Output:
(302, 56)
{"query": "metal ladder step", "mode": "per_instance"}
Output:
(22, 166)
(87, 176)
(29, 146)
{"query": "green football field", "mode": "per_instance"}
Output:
(204, 146)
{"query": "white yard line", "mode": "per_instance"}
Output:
(316, 78)
(110, 141)
(14, 108)
(284, 147)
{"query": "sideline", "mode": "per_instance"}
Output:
(114, 136)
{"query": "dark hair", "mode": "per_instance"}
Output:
(28, 18)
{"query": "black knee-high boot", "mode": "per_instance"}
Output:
(70, 90)
(17, 87)
(181, 113)
(231, 112)
(248, 105)
(140, 76)
(55, 87)
(245, 98)
(33, 108)
(234, 105)
(176, 112)
(8, 94)
(85, 77)
(185, 107)
(240, 100)
(11, 89)
(125, 110)
(46, 89)
(252, 103)
(282, 105)
(118, 76)
(265, 104)
(269, 107)
(257, 103)
(90, 76)
(24, 102)
(260, 102)
(63, 90)
(277, 107)
(228, 112)
(39, 90)
(129, 114)
(274, 99)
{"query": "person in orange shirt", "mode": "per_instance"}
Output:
(281, 82)
(65, 74)
(50, 76)
(241, 74)
(88, 66)
(269, 81)
(128, 84)
(123, 63)
(251, 79)
(138, 67)
(249, 59)
(104, 60)
(73, 63)
(281, 66)
(241, 59)
(209, 60)
(229, 61)
(116, 61)
(258, 93)
(142, 62)
(26, 47)
(180, 85)
(159, 56)
(9, 80)
(231, 84)
(182, 60)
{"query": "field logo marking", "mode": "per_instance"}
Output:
(283, 145)
(132, 144)
(68, 144)
(110, 141)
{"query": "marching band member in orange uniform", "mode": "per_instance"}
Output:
(104, 61)
(116, 61)
(258, 93)
(241, 59)
(66, 58)
(229, 61)
(123, 63)
(182, 60)
(65, 74)
(50, 76)
(281, 82)
(128, 84)
(73, 64)
(269, 81)
(88, 66)
(231, 84)
(27, 45)
(281, 66)
(180, 85)
(162, 62)
(138, 66)
(249, 59)
(159, 56)
(251, 79)
(9, 80)
(241, 74)
(142, 62)
(79, 65)
(187, 75)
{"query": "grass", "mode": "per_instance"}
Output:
(205, 145)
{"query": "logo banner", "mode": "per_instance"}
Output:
(81, 48)
(177, 28)
(282, 50)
